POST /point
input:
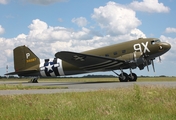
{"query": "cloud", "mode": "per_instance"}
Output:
(170, 30)
(119, 23)
(115, 19)
(171, 53)
(151, 6)
(81, 21)
(1, 30)
(44, 2)
(4, 1)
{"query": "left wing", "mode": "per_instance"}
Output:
(89, 62)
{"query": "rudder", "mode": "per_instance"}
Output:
(25, 59)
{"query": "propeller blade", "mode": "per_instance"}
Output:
(134, 56)
(147, 65)
(153, 66)
(159, 59)
(145, 60)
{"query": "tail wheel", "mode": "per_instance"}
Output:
(34, 80)
(123, 77)
(132, 77)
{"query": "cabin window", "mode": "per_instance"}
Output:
(106, 55)
(115, 53)
(123, 51)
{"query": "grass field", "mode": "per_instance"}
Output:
(134, 103)
(22, 87)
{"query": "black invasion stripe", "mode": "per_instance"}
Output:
(106, 68)
(55, 69)
(113, 66)
(112, 63)
(46, 70)
(97, 65)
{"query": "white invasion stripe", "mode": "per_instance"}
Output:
(43, 73)
(42, 68)
(60, 68)
(108, 67)
(114, 65)
(94, 65)
(102, 66)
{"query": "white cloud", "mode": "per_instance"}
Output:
(116, 19)
(81, 21)
(119, 22)
(1, 30)
(136, 33)
(171, 53)
(170, 30)
(151, 6)
(4, 1)
(44, 2)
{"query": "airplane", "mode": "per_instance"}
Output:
(138, 53)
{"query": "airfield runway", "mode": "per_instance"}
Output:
(77, 86)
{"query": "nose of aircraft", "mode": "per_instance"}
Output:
(164, 46)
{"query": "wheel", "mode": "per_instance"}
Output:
(35, 80)
(133, 77)
(124, 77)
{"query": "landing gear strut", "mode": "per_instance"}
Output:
(132, 76)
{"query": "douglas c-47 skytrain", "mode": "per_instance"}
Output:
(127, 55)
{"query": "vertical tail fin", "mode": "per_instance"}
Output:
(25, 59)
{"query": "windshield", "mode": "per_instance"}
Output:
(155, 41)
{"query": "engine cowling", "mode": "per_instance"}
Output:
(135, 59)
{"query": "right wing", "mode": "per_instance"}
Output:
(89, 62)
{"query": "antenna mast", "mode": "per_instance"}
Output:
(7, 71)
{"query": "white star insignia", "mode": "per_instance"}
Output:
(49, 67)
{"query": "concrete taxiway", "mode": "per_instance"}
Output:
(77, 86)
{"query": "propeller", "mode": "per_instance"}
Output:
(153, 66)
(159, 59)
(145, 61)
(147, 65)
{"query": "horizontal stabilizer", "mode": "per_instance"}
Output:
(27, 72)
(88, 62)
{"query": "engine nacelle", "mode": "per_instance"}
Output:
(135, 59)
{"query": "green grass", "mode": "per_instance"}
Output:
(134, 103)
(22, 87)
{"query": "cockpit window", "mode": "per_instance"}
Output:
(155, 41)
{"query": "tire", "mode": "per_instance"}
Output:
(133, 78)
(35, 80)
(124, 77)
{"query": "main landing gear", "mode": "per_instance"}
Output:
(124, 77)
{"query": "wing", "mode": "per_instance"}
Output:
(89, 62)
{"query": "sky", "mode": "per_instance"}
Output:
(49, 26)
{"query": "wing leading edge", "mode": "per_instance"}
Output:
(89, 62)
